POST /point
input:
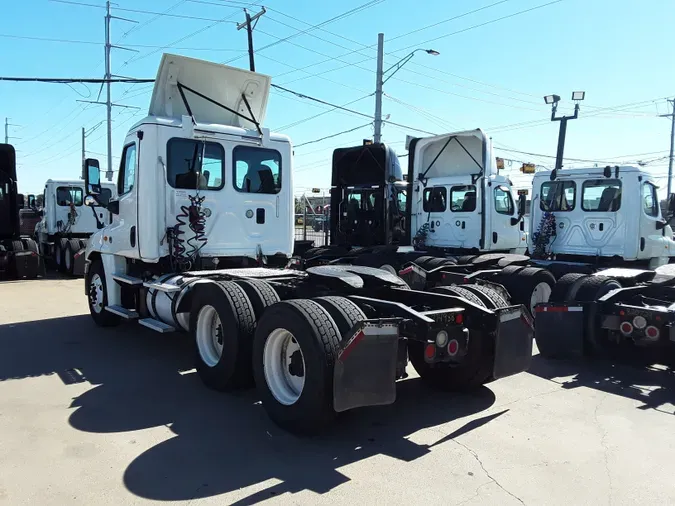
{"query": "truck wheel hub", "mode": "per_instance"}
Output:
(284, 366)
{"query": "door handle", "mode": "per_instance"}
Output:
(601, 227)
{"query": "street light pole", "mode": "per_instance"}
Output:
(553, 100)
(380, 80)
(672, 142)
(377, 136)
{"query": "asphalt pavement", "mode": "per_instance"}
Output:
(93, 416)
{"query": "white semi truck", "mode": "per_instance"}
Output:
(66, 223)
(202, 229)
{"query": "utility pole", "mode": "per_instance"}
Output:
(248, 24)
(108, 103)
(672, 144)
(7, 136)
(84, 156)
(377, 136)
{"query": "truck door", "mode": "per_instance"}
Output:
(501, 234)
(464, 217)
(123, 234)
(604, 222)
(434, 207)
(651, 241)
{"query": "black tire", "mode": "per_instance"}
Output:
(474, 371)
(344, 312)
(59, 253)
(388, 262)
(523, 284)
(319, 339)
(422, 261)
(232, 368)
(434, 263)
(34, 270)
(260, 294)
(566, 287)
(72, 247)
(510, 270)
(594, 287)
(101, 317)
(491, 298)
(460, 291)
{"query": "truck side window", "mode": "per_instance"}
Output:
(127, 175)
(463, 199)
(601, 195)
(650, 201)
(434, 200)
(185, 167)
(503, 200)
(66, 195)
(558, 196)
(257, 170)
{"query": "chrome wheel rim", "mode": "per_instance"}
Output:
(209, 336)
(540, 294)
(96, 293)
(284, 366)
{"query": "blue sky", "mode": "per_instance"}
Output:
(494, 67)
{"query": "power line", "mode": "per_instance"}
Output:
(67, 80)
(333, 135)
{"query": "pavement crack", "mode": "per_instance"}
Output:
(487, 473)
(605, 451)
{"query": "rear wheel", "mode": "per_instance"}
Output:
(422, 261)
(222, 324)
(97, 296)
(490, 297)
(259, 293)
(59, 252)
(566, 287)
(460, 291)
(529, 286)
(294, 352)
(72, 247)
(344, 312)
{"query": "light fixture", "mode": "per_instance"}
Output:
(578, 95)
(552, 99)
(432, 52)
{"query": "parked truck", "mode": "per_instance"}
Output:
(19, 256)
(66, 223)
(202, 229)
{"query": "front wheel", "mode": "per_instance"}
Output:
(97, 296)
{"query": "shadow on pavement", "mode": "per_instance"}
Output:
(222, 442)
(650, 383)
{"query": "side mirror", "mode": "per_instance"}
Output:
(20, 200)
(31, 201)
(661, 225)
(90, 201)
(522, 205)
(114, 206)
(92, 176)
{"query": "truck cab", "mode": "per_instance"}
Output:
(609, 215)
(459, 202)
(200, 182)
(368, 197)
(64, 212)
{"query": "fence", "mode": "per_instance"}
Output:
(312, 227)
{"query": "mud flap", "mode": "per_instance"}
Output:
(78, 266)
(414, 275)
(365, 369)
(559, 330)
(513, 342)
(26, 264)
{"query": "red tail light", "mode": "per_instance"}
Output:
(626, 328)
(430, 351)
(459, 318)
(453, 347)
(652, 332)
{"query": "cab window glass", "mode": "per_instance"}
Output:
(434, 199)
(463, 199)
(601, 195)
(257, 170)
(650, 202)
(558, 196)
(503, 200)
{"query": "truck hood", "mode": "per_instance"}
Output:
(220, 83)
(461, 154)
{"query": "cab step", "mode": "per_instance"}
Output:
(127, 280)
(156, 325)
(162, 287)
(127, 314)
